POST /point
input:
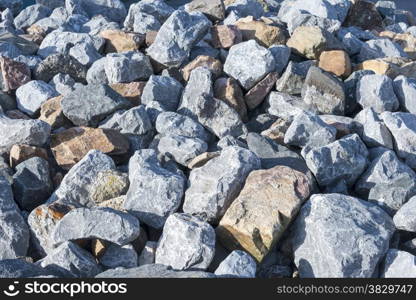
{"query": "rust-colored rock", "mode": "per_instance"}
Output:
(13, 74)
(336, 62)
(268, 203)
(120, 41)
(20, 153)
(51, 113)
(364, 14)
(214, 65)
(259, 92)
(132, 91)
(98, 247)
(265, 35)
(71, 145)
(225, 36)
(228, 90)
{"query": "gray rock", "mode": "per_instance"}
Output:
(171, 123)
(177, 36)
(331, 25)
(163, 89)
(20, 131)
(97, 24)
(85, 53)
(281, 54)
(213, 9)
(32, 184)
(90, 104)
(350, 85)
(386, 8)
(32, 95)
(286, 106)
(187, 243)
(374, 132)
(96, 73)
(114, 10)
(409, 246)
(399, 264)
(133, 121)
(326, 232)
(387, 182)
(237, 264)
(14, 232)
(244, 8)
(403, 128)
(324, 92)
(153, 271)
(127, 67)
(181, 149)
(7, 102)
(228, 141)
(51, 3)
(30, 15)
(248, 63)
(97, 223)
(5, 170)
(116, 256)
(69, 260)
(62, 83)
(144, 23)
(19, 268)
(148, 254)
(405, 90)
(291, 81)
(405, 218)
(343, 159)
(376, 91)
(31, 61)
(14, 6)
(351, 43)
(308, 129)
(155, 192)
(213, 188)
(379, 48)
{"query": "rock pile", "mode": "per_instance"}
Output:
(237, 138)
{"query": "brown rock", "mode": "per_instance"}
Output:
(20, 153)
(132, 91)
(120, 41)
(259, 92)
(13, 74)
(268, 203)
(364, 14)
(36, 30)
(51, 113)
(150, 37)
(390, 66)
(71, 145)
(214, 65)
(336, 62)
(228, 90)
(225, 36)
(265, 35)
(115, 203)
(98, 247)
(277, 131)
(202, 159)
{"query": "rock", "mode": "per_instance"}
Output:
(212, 64)
(259, 92)
(185, 29)
(237, 264)
(284, 106)
(116, 256)
(155, 192)
(20, 131)
(324, 92)
(13, 74)
(202, 159)
(345, 159)
(120, 41)
(131, 91)
(71, 145)
(225, 36)
(183, 251)
(350, 86)
(265, 35)
(148, 254)
(213, 9)
(302, 19)
(20, 153)
(32, 183)
(281, 54)
(311, 41)
(387, 182)
(69, 260)
(32, 95)
(405, 90)
(51, 113)
(181, 149)
(60, 63)
(340, 221)
(380, 48)
(307, 129)
(403, 129)
(248, 63)
(86, 54)
(164, 90)
(376, 91)
(109, 185)
(171, 123)
(243, 8)
(364, 14)
(15, 234)
(134, 121)
(374, 132)
(228, 90)
(81, 106)
(405, 219)
(93, 223)
(30, 15)
(62, 83)
(20, 268)
(291, 81)
(212, 189)
(336, 62)
(276, 132)
(114, 10)
(398, 264)
(269, 201)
